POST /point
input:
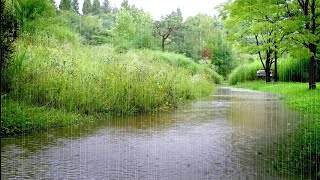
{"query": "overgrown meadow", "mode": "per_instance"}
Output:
(74, 81)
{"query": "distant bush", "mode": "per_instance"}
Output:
(178, 60)
(246, 72)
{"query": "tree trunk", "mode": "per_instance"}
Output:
(275, 74)
(311, 27)
(313, 49)
(312, 67)
(268, 66)
(268, 78)
(162, 43)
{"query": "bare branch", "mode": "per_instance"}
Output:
(301, 2)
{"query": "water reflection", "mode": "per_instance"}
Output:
(231, 134)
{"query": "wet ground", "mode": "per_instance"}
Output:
(232, 134)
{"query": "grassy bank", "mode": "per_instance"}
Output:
(69, 81)
(21, 118)
(301, 154)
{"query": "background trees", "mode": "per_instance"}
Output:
(271, 28)
(75, 6)
(167, 26)
(65, 5)
(133, 28)
(96, 7)
(199, 37)
(106, 8)
(87, 7)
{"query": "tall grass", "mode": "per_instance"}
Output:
(293, 69)
(246, 72)
(88, 79)
(53, 73)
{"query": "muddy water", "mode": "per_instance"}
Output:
(229, 135)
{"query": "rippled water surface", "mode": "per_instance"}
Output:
(229, 135)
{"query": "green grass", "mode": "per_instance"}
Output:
(20, 118)
(88, 80)
(301, 154)
(243, 73)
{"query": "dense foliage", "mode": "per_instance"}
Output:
(8, 32)
(272, 28)
(105, 62)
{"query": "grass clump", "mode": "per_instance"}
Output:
(301, 154)
(19, 117)
(246, 72)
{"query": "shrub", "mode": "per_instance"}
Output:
(246, 72)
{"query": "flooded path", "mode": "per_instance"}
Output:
(229, 135)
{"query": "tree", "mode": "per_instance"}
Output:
(75, 6)
(204, 39)
(87, 7)
(179, 14)
(133, 28)
(106, 8)
(258, 26)
(8, 30)
(96, 7)
(306, 13)
(196, 32)
(65, 5)
(167, 26)
(125, 4)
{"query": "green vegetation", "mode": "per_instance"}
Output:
(300, 155)
(269, 29)
(282, 36)
(243, 73)
(55, 78)
(290, 69)
(20, 118)
(77, 79)
(68, 65)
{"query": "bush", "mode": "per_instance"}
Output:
(246, 72)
